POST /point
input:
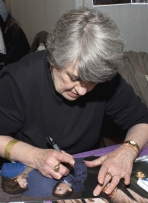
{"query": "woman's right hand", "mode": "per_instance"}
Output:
(46, 160)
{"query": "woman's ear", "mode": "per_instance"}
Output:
(51, 68)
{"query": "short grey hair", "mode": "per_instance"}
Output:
(88, 39)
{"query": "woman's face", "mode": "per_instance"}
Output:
(62, 188)
(68, 84)
(22, 182)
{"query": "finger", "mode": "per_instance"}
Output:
(66, 158)
(49, 176)
(93, 163)
(68, 164)
(63, 171)
(127, 178)
(113, 193)
(113, 184)
(102, 174)
(57, 174)
(67, 154)
(60, 157)
(100, 187)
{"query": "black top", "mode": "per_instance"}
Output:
(31, 109)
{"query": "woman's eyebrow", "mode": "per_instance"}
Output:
(75, 76)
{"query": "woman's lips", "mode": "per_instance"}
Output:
(72, 94)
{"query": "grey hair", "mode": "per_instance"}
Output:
(88, 39)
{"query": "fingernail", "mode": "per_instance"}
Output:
(100, 183)
(107, 192)
(72, 163)
(95, 194)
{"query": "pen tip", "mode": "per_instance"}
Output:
(50, 140)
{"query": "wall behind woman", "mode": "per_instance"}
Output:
(36, 15)
(132, 21)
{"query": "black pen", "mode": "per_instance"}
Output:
(56, 147)
(53, 144)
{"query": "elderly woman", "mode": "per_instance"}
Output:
(68, 101)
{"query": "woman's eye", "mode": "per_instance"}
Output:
(73, 79)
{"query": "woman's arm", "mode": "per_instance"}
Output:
(43, 160)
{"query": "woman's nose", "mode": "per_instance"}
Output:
(81, 90)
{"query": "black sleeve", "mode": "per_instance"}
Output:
(124, 106)
(11, 106)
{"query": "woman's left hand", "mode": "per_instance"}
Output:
(115, 166)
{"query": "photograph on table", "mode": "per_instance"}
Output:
(77, 187)
(16, 178)
(139, 177)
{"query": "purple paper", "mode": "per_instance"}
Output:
(103, 151)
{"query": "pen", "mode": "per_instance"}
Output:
(53, 144)
(56, 147)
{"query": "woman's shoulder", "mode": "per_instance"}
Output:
(29, 71)
(30, 62)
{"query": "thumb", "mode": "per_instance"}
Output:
(91, 164)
